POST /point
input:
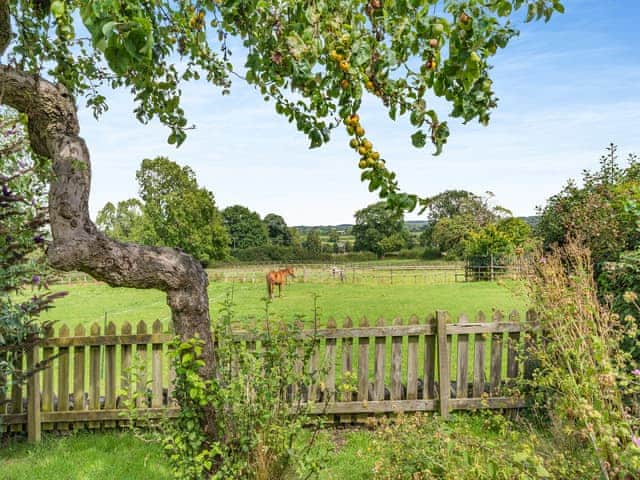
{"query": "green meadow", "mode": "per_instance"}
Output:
(95, 302)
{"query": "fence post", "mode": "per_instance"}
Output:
(443, 363)
(34, 433)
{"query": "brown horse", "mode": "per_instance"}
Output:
(279, 278)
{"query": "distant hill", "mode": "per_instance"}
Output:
(323, 229)
(532, 220)
(416, 225)
(412, 226)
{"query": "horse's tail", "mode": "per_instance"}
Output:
(269, 287)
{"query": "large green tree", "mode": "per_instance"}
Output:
(313, 60)
(374, 226)
(453, 215)
(313, 242)
(495, 241)
(279, 233)
(598, 212)
(124, 221)
(245, 227)
(448, 234)
(179, 213)
(452, 203)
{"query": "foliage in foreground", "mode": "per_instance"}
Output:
(585, 383)
(23, 223)
(91, 455)
(474, 446)
(399, 52)
(354, 453)
(263, 419)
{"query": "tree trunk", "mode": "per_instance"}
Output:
(77, 243)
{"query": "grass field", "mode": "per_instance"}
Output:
(88, 303)
(108, 456)
(349, 454)
(83, 456)
(119, 455)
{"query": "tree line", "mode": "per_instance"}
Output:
(173, 210)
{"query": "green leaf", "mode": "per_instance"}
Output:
(57, 8)
(504, 8)
(316, 138)
(416, 118)
(108, 27)
(419, 139)
(542, 472)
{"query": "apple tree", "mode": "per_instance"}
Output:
(314, 60)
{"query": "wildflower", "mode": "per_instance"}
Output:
(630, 297)
(635, 440)
(36, 279)
(635, 373)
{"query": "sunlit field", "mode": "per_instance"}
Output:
(94, 302)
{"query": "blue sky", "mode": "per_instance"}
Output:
(567, 89)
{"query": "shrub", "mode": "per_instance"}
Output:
(599, 211)
(431, 254)
(23, 231)
(584, 382)
(620, 277)
(355, 257)
(477, 446)
(261, 400)
(292, 254)
(279, 253)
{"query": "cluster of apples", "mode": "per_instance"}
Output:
(196, 22)
(432, 63)
(369, 158)
(343, 64)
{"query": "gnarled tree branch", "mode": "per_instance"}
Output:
(77, 243)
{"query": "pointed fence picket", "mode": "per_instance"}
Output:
(376, 367)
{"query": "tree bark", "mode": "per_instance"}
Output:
(77, 243)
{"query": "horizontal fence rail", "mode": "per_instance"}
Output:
(354, 273)
(431, 364)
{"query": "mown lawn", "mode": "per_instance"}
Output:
(352, 454)
(84, 456)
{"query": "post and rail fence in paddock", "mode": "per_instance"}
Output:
(354, 273)
(432, 364)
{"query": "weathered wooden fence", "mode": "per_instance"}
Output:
(428, 365)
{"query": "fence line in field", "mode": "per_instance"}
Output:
(389, 274)
(429, 365)
(346, 273)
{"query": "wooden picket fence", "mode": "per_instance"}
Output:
(429, 365)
